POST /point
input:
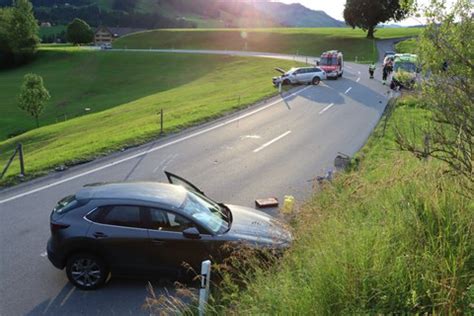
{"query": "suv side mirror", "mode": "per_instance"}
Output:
(191, 233)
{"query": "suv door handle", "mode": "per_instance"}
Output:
(99, 235)
(157, 241)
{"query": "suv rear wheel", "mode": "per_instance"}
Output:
(86, 271)
(316, 81)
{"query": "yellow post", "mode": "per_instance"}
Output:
(288, 204)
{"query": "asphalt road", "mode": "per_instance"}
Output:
(274, 148)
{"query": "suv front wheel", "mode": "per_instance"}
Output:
(86, 272)
(316, 81)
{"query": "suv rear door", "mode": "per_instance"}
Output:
(120, 235)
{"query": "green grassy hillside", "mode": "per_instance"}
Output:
(282, 40)
(124, 91)
(394, 237)
(408, 46)
(79, 79)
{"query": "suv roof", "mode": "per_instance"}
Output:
(154, 192)
(331, 52)
(412, 58)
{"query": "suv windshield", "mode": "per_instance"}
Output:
(328, 61)
(206, 212)
(409, 67)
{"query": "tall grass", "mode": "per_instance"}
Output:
(394, 237)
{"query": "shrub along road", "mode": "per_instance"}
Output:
(272, 149)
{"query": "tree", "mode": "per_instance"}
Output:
(33, 96)
(366, 14)
(23, 31)
(18, 32)
(446, 53)
(79, 32)
(5, 51)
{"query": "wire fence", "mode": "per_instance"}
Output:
(18, 151)
(70, 115)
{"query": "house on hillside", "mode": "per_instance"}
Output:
(106, 35)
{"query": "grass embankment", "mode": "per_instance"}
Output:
(394, 237)
(79, 79)
(408, 46)
(302, 41)
(189, 88)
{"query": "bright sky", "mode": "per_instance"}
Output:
(335, 8)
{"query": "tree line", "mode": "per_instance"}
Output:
(95, 16)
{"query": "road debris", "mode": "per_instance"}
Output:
(266, 202)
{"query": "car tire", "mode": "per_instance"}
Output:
(316, 81)
(86, 272)
(340, 75)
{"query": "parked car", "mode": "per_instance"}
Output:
(305, 75)
(106, 46)
(150, 227)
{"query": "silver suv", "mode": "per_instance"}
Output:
(304, 75)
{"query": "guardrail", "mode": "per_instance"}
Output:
(19, 151)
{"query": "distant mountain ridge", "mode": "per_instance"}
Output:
(181, 13)
(297, 15)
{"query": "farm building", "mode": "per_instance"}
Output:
(105, 35)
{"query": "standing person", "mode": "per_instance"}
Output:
(372, 70)
(390, 67)
(384, 74)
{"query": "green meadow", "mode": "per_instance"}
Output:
(124, 91)
(302, 41)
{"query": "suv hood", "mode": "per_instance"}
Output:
(280, 70)
(255, 226)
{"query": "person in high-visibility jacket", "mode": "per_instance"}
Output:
(372, 70)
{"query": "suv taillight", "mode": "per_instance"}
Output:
(57, 226)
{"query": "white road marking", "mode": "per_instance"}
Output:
(347, 91)
(179, 140)
(44, 254)
(271, 142)
(164, 164)
(358, 72)
(250, 137)
(169, 162)
(326, 108)
(358, 79)
(67, 296)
